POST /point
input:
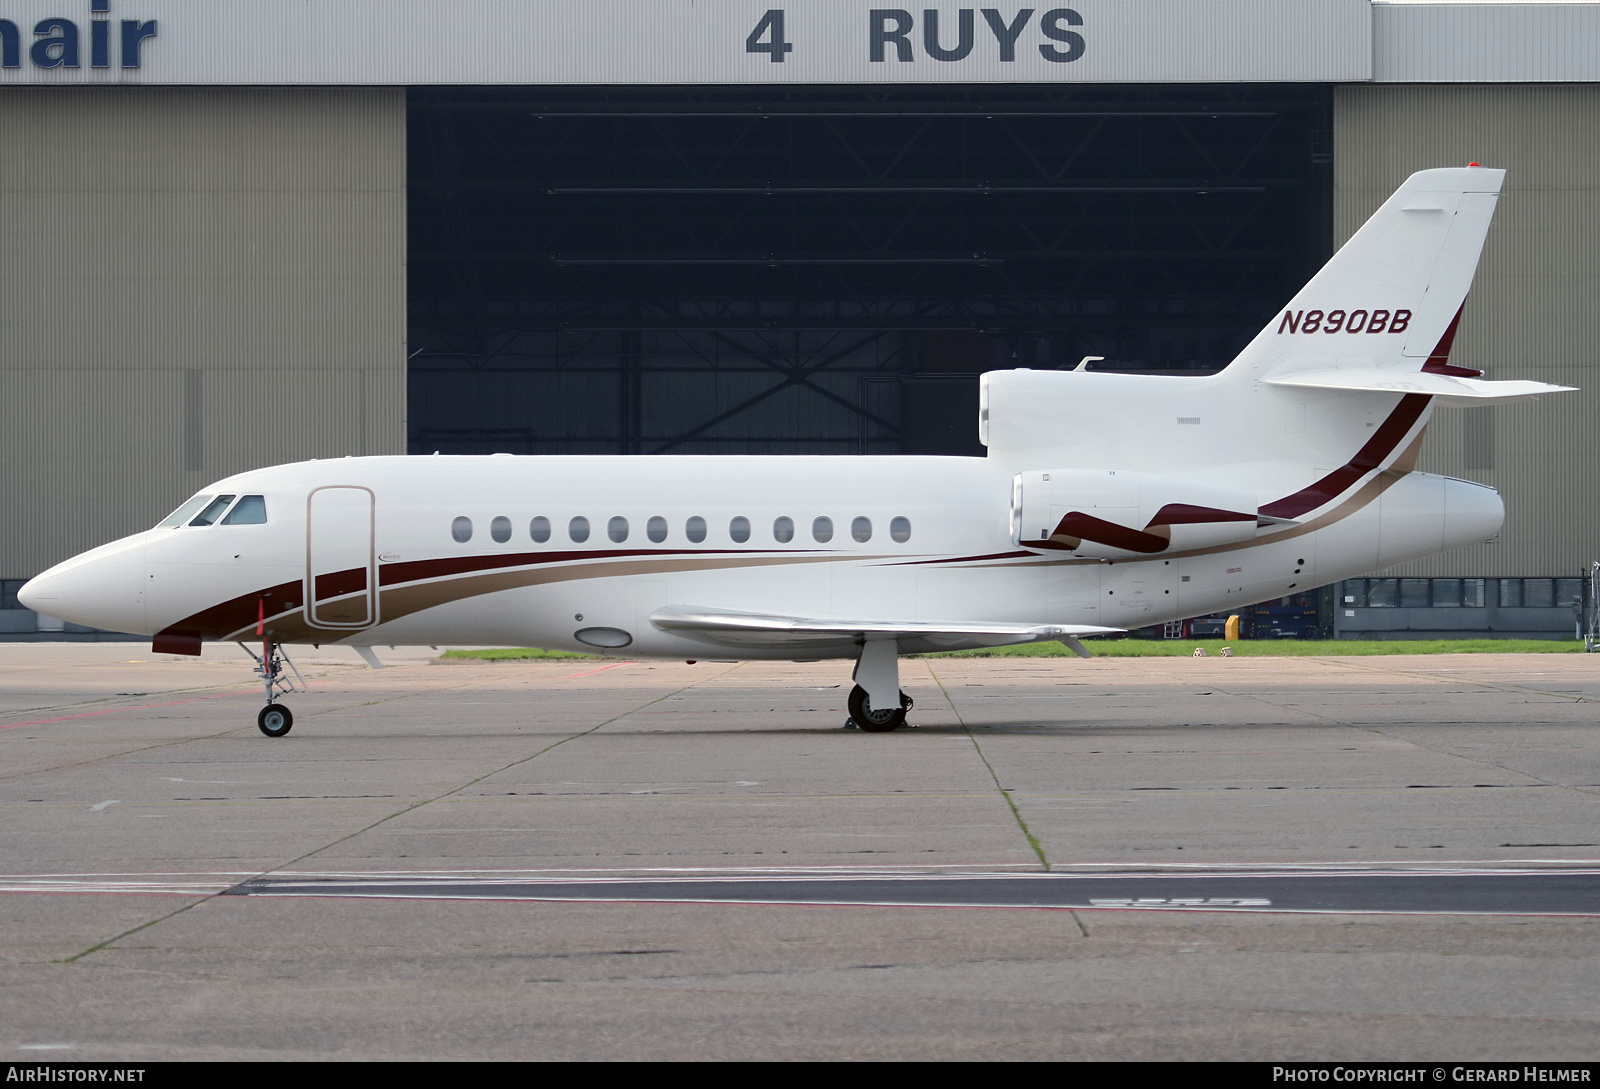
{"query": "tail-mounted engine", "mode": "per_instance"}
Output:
(1110, 514)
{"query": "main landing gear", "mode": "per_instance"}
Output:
(275, 719)
(864, 717)
(877, 705)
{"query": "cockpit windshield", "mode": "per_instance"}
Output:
(205, 510)
(213, 511)
(183, 513)
(249, 511)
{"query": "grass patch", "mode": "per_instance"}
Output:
(1272, 648)
(510, 654)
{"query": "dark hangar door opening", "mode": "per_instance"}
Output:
(827, 270)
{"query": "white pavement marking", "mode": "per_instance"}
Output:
(181, 884)
(213, 882)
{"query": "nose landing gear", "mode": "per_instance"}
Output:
(275, 719)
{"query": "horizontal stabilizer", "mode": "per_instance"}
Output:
(1448, 389)
(774, 631)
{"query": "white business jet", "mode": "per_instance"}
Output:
(1105, 502)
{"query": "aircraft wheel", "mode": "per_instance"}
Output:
(873, 721)
(275, 720)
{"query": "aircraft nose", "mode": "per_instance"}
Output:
(103, 589)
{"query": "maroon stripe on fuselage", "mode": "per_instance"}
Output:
(392, 574)
(1369, 457)
(239, 612)
(964, 559)
(340, 583)
(1089, 528)
(1186, 514)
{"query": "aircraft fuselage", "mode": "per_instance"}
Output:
(563, 552)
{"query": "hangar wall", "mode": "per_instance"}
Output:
(1531, 312)
(196, 282)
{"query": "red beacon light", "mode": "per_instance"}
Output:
(1474, 164)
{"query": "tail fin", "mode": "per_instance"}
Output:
(1376, 322)
(1391, 297)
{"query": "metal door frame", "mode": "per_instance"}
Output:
(373, 598)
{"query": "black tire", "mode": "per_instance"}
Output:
(275, 720)
(876, 722)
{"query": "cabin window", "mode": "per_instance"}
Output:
(861, 529)
(578, 529)
(461, 529)
(617, 529)
(822, 530)
(183, 513)
(656, 529)
(249, 511)
(783, 530)
(695, 529)
(739, 529)
(539, 529)
(500, 529)
(900, 530)
(213, 511)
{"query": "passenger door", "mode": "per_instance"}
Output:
(341, 591)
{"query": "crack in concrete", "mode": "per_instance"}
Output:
(1016, 814)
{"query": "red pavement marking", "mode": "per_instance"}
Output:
(592, 672)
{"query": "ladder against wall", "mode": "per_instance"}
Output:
(1591, 608)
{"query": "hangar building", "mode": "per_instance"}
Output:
(254, 231)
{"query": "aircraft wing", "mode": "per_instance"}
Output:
(740, 629)
(1448, 389)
